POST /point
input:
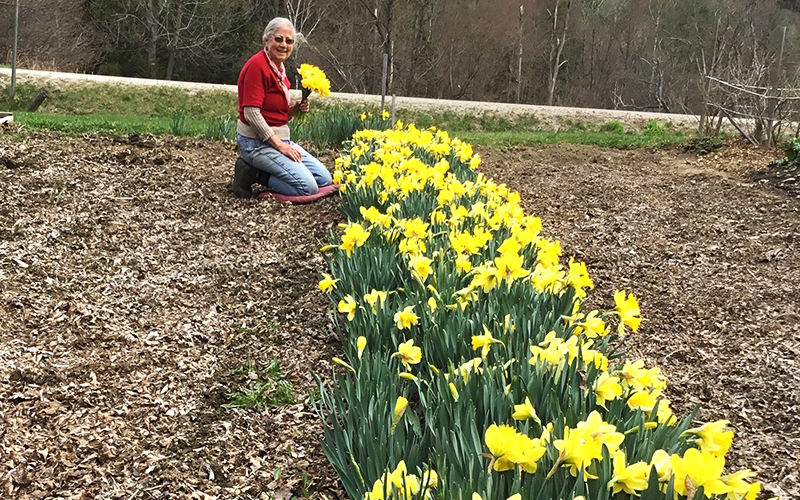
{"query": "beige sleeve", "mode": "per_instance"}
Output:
(253, 116)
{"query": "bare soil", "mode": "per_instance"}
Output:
(137, 294)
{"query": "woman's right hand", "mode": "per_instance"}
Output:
(289, 151)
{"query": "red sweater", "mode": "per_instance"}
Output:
(259, 86)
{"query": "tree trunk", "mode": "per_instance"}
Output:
(421, 51)
(37, 101)
(173, 46)
(556, 49)
(151, 26)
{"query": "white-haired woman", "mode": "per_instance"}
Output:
(268, 156)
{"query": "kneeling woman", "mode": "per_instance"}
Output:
(263, 130)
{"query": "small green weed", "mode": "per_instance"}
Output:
(218, 129)
(652, 127)
(267, 389)
(792, 160)
(571, 125)
(263, 331)
(315, 394)
(614, 127)
(177, 124)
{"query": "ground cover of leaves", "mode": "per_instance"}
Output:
(136, 295)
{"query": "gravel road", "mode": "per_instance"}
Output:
(549, 115)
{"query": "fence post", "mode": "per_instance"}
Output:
(383, 81)
(14, 56)
(393, 109)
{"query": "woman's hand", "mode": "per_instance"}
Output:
(300, 106)
(290, 151)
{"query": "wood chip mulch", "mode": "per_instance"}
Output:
(137, 294)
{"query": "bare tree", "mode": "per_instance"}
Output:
(50, 34)
(424, 57)
(172, 31)
(305, 15)
(558, 38)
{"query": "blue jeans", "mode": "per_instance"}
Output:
(286, 176)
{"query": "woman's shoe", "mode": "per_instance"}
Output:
(244, 176)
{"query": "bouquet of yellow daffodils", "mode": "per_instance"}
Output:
(314, 80)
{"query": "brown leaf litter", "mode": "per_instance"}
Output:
(135, 290)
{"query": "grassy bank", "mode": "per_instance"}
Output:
(127, 109)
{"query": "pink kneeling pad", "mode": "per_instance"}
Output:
(301, 200)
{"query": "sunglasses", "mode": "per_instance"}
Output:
(280, 39)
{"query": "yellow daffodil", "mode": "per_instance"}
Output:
(432, 304)
(525, 411)
(633, 375)
(348, 306)
(314, 79)
(506, 446)
(469, 367)
(415, 228)
(576, 451)
(339, 362)
(628, 311)
(509, 267)
(463, 263)
(408, 353)
(399, 409)
(399, 483)
(549, 252)
(484, 342)
(547, 278)
(592, 325)
(739, 488)
(361, 344)
(712, 437)
(453, 391)
(696, 469)
(354, 236)
(327, 283)
(661, 461)
(420, 267)
(607, 388)
(486, 278)
(628, 478)
(578, 278)
(406, 318)
(601, 432)
(373, 297)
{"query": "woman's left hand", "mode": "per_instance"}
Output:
(303, 106)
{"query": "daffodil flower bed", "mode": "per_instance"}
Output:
(472, 369)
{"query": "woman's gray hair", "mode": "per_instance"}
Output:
(279, 22)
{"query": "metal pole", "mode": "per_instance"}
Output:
(383, 81)
(519, 68)
(14, 56)
(393, 109)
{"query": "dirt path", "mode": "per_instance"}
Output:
(548, 115)
(136, 295)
